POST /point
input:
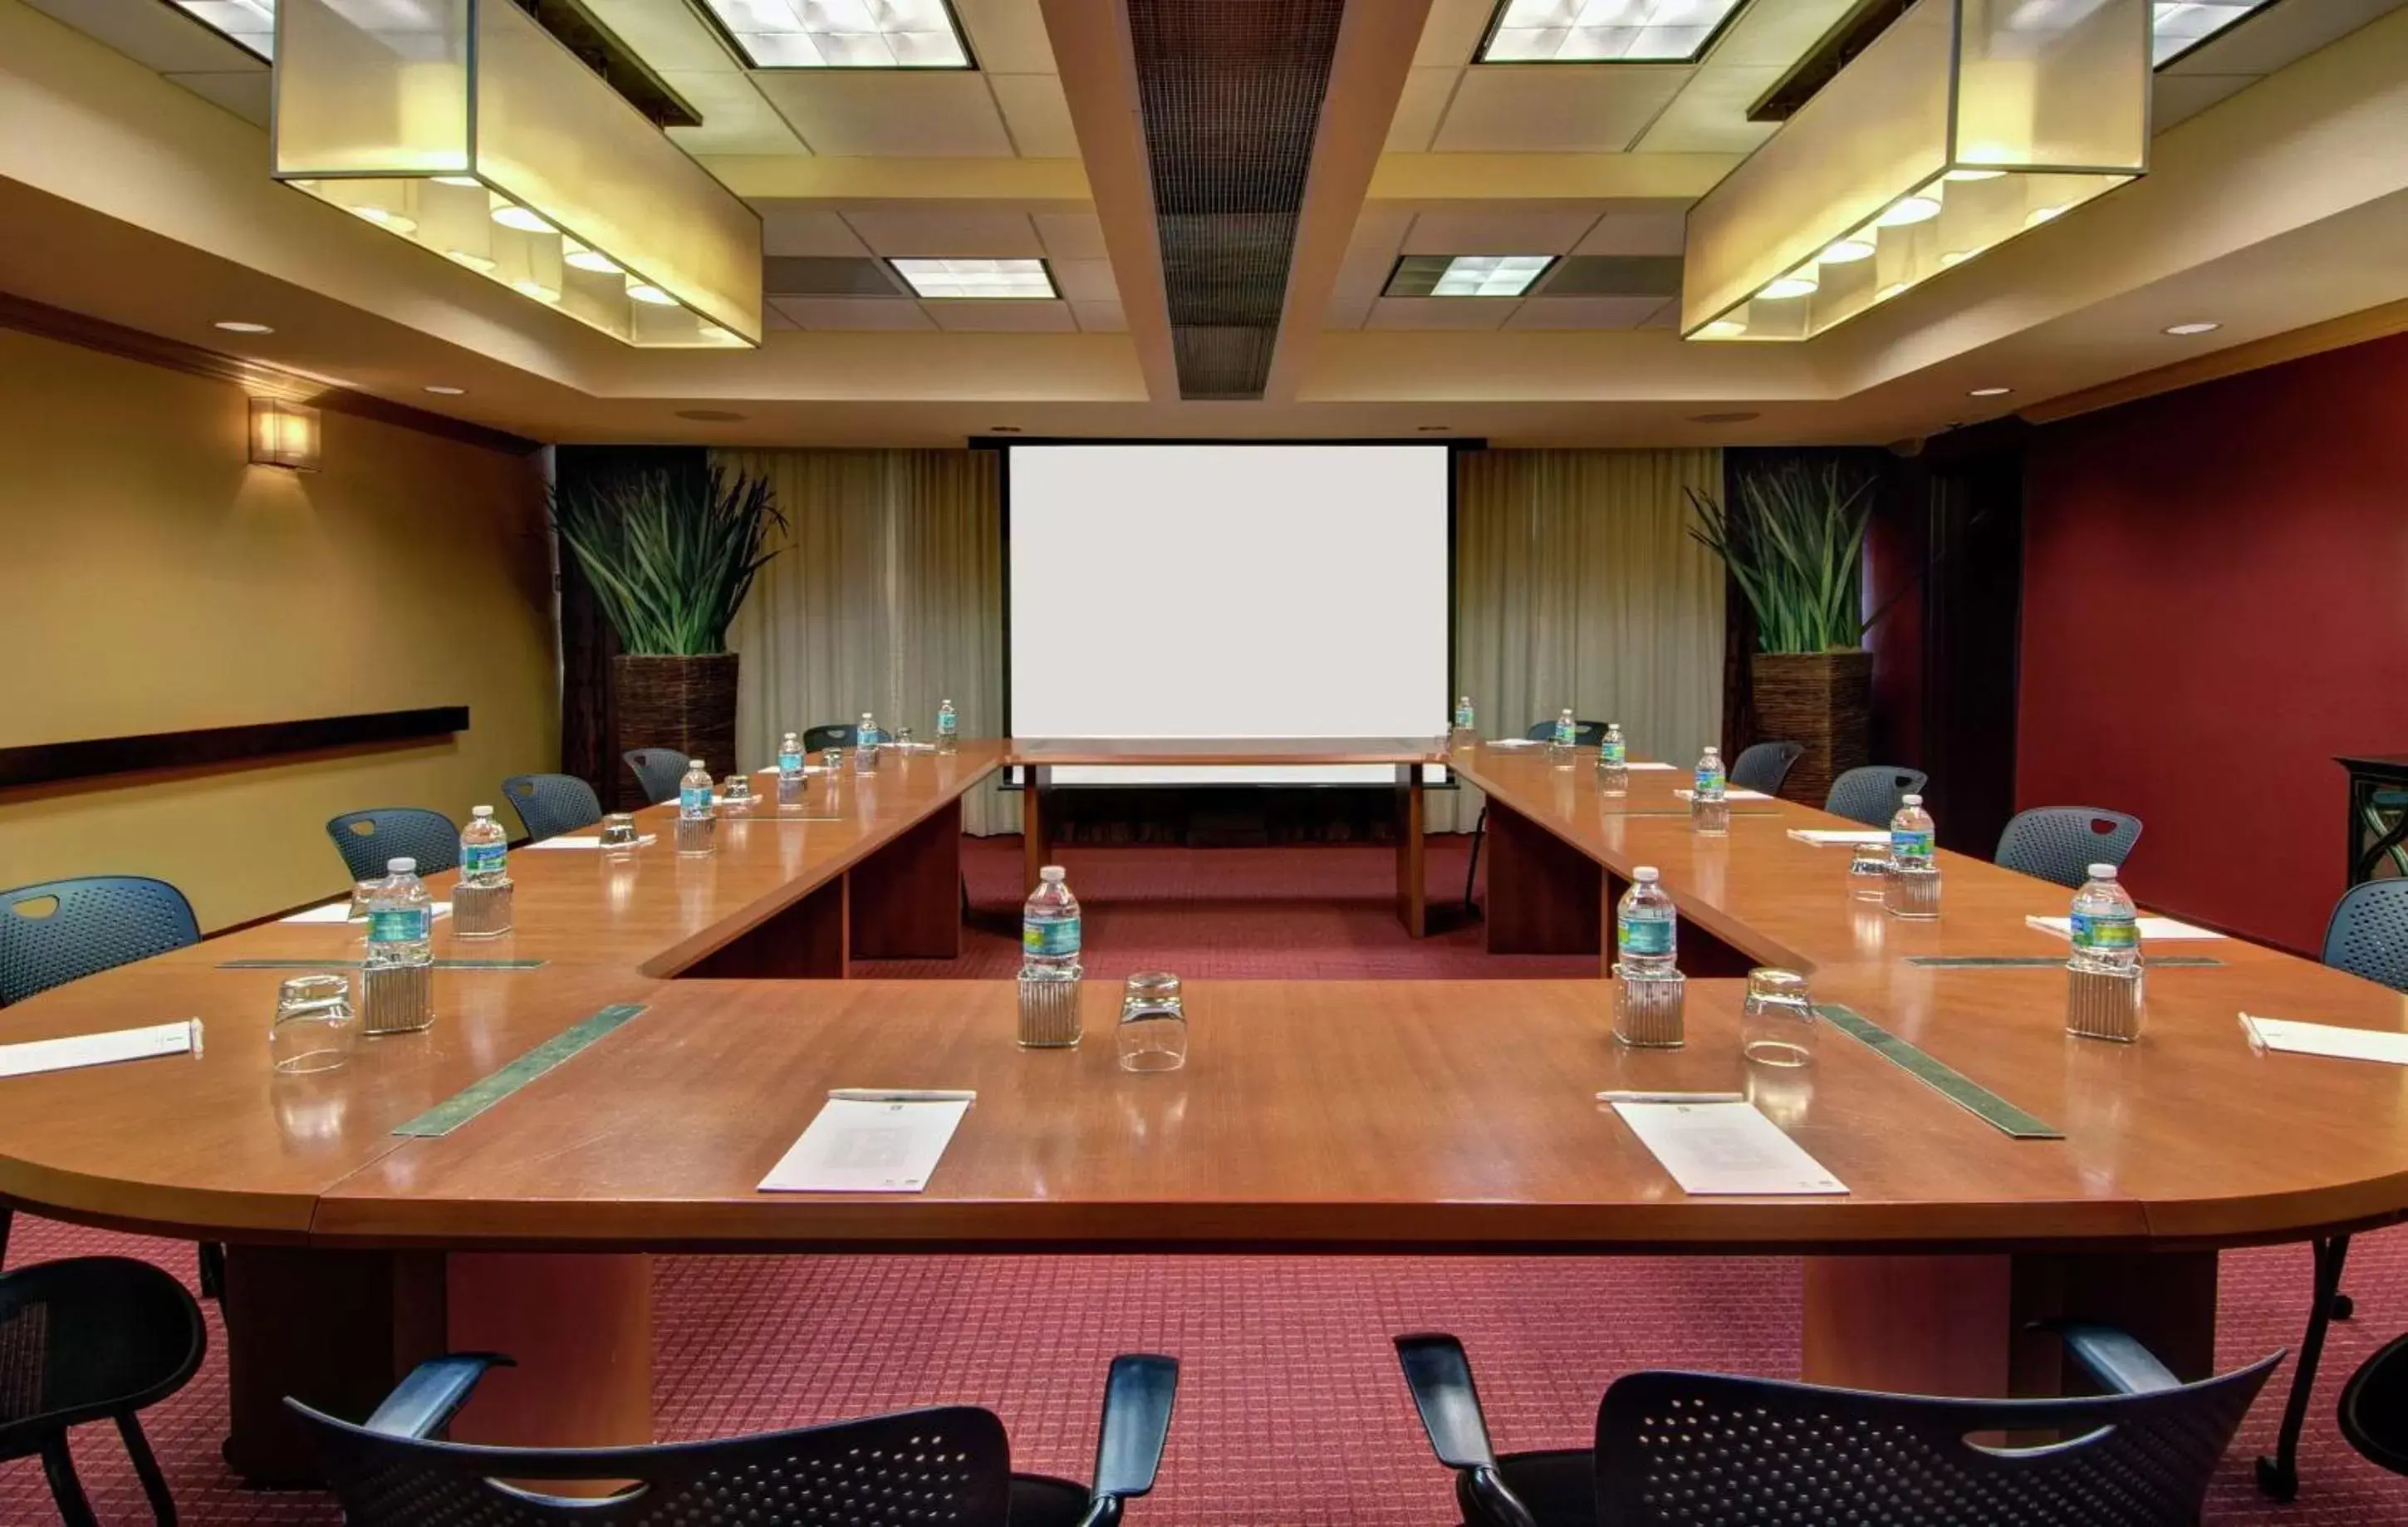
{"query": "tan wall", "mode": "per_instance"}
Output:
(152, 581)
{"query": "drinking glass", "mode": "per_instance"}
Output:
(1777, 1025)
(736, 792)
(619, 831)
(314, 1028)
(1868, 871)
(1152, 1030)
(830, 758)
(903, 738)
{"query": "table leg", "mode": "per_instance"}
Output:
(1544, 895)
(1413, 852)
(906, 897)
(580, 1328)
(1036, 834)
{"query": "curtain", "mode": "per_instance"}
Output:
(1577, 583)
(886, 596)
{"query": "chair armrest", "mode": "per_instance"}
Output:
(1439, 1375)
(420, 1405)
(1138, 1396)
(2113, 1358)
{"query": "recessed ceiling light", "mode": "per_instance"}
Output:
(1466, 275)
(843, 33)
(1848, 251)
(1603, 30)
(2180, 330)
(512, 215)
(646, 292)
(1781, 288)
(574, 253)
(241, 325)
(710, 416)
(949, 279)
(1990, 391)
(446, 392)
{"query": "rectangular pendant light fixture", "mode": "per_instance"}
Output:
(1965, 124)
(465, 128)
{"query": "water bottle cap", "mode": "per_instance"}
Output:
(1644, 875)
(1053, 874)
(2102, 872)
(1910, 801)
(1711, 749)
(401, 866)
(481, 810)
(694, 763)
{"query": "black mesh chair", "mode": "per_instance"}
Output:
(1693, 1449)
(1765, 766)
(1585, 734)
(948, 1463)
(2375, 1404)
(2366, 936)
(551, 804)
(92, 1339)
(63, 930)
(835, 734)
(367, 840)
(2062, 843)
(1871, 794)
(657, 771)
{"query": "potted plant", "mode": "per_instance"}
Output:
(671, 552)
(1794, 540)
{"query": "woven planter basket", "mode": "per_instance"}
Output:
(1823, 700)
(686, 703)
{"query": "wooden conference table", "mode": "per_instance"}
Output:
(499, 1180)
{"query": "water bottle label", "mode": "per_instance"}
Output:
(1611, 754)
(1642, 936)
(482, 858)
(1709, 781)
(790, 763)
(1463, 717)
(407, 925)
(2105, 930)
(1564, 734)
(1052, 939)
(1910, 845)
(694, 800)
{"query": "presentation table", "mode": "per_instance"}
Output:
(500, 1181)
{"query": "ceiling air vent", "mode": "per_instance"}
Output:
(1614, 275)
(829, 276)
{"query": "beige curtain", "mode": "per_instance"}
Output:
(1577, 583)
(887, 597)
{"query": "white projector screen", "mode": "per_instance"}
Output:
(1270, 591)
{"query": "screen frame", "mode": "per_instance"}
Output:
(1014, 777)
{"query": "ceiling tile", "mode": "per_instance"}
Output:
(1441, 313)
(245, 93)
(772, 320)
(736, 119)
(1085, 280)
(1419, 109)
(149, 33)
(1071, 235)
(865, 113)
(965, 233)
(2179, 97)
(1006, 36)
(1370, 254)
(668, 35)
(1101, 317)
(794, 231)
(1551, 108)
(851, 312)
(1452, 32)
(1037, 113)
(1710, 115)
(1500, 231)
(1636, 232)
(1587, 312)
(1002, 316)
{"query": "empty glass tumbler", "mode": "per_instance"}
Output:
(315, 1026)
(619, 831)
(1778, 1024)
(1152, 1030)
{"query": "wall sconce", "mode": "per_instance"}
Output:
(284, 435)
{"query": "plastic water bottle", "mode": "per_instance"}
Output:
(949, 727)
(1560, 741)
(1049, 963)
(1710, 781)
(1646, 938)
(484, 849)
(1463, 715)
(401, 919)
(694, 828)
(1914, 890)
(1613, 761)
(1709, 796)
(2106, 925)
(865, 745)
(790, 759)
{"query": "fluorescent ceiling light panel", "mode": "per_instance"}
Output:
(1965, 123)
(948, 279)
(1466, 275)
(1602, 31)
(2181, 25)
(844, 34)
(249, 24)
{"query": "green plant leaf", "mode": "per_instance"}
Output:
(671, 552)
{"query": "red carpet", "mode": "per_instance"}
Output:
(1290, 1410)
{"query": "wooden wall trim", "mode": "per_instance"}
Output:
(2295, 344)
(70, 327)
(50, 763)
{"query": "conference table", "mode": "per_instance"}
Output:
(614, 1079)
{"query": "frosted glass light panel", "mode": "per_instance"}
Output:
(2183, 24)
(976, 278)
(249, 24)
(1965, 123)
(466, 128)
(1466, 275)
(1602, 31)
(844, 34)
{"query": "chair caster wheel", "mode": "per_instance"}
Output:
(2343, 1306)
(2276, 1482)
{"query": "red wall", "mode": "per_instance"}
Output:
(2244, 545)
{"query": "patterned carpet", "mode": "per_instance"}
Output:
(1290, 1410)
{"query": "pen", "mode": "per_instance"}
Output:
(1671, 1097)
(895, 1094)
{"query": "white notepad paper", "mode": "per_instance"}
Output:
(106, 1049)
(341, 912)
(2297, 1038)
(1728, 794)
(1832, 837)
(1718, 1148)
(2151, 928)
(1637, 766)
(869, 1147)
(589, 839)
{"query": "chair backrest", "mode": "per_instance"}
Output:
(658, 770)
(1871, 794)
(2062, 843)
(1584, 733)
(368, 839)
(2368, 934)
(835, 734)
(1765, 766)
(551, 804)
(950, 1464)
(86, 1337)
(63, 930)
(1696, 1448)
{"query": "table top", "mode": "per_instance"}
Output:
(1366, 1116)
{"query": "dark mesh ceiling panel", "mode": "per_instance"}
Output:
(1230, 92)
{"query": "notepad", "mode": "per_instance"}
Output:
(1663, 765)
(588, 840)
(1728, 795)
(2297, 1038)
(1830, 837)
(78, 1050)
(2151, 928)
(341, 912)
(890, 1146)
(1724, 1148)
(1513, 743)
(807, 768)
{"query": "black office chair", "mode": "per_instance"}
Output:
(948, 1463)
(2374, 1407)
(1871, 794)
(92, 1339)
(1585, 734)
(835, 734)
(2366, 936)
(1765, 766)
(550, 804)
(368, 840)
(2062, 843)
(657, 771)
(1693, 1449)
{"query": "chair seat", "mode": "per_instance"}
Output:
(1559, 1488)
(1039, 1501)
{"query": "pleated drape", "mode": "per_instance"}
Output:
(1577, 583)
